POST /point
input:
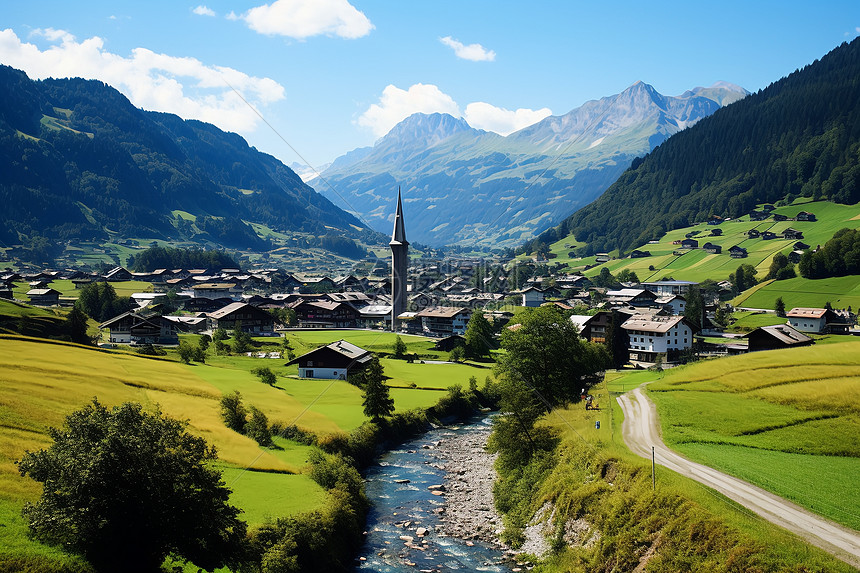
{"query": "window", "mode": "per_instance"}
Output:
(310, 364)
(309, 373)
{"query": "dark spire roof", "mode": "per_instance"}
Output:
(399, 235)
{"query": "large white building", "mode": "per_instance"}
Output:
(653, 336)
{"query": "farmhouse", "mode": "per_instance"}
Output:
(805, 216)
(768, 235)
(737, 252)
(637, 254)
(240, 315)
(532, 297)
(44, 297)
(795, 256)
(444, 320)
(449, 343)
(334, 361)
(712, 248)
(792, 234)
(657, 336)
(141, 328)
(601, 258)
(776, 336)
(753, 233)
(780, 217)
(758, 215)
(325, 314)
(675, 303)
(594, 328)
(118, 274)
(817, 320)
(690, 244)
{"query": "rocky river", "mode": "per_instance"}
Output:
(433, 507)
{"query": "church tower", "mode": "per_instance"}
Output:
(399, 261)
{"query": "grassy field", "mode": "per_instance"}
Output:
(840, 292)
(67, 288)
(41, 382)
(788, 421)
(570, 483)
(696, 265)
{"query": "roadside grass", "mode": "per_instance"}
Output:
(624, 479)
(374, 340)
(780, 419)
(67, 288)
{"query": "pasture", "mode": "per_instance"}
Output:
(840, 292)
(697, 265)
(787, 421)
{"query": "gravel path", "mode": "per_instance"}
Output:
(642, 431)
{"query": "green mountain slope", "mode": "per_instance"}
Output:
(798, 137)
(79, 162)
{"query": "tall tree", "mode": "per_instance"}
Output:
(694, 311)
(479, 336)
(547, 355)
(126, 488)
(377, 402)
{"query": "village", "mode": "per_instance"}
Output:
(650, 322)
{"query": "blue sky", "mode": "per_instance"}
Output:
(333, 75)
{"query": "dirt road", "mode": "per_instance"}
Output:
(641, 432)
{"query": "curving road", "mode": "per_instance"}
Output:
(642, 431)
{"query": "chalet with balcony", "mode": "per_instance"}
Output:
(322, 313)
(444, 320)
(657, 336)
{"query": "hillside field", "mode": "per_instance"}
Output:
(785, 420)
(697, 265)
(41, 382)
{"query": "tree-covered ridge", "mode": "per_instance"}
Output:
(798, 137)
(79, 160)
(169, 258)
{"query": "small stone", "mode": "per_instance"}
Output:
(421, 531)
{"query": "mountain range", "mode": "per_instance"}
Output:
(469, 186)
(79, 162)
(798, 137)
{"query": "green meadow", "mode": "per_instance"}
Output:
(41, 382)
(785, 420)
(697, 265)
(840, 292)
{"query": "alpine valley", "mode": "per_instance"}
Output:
(473, 187)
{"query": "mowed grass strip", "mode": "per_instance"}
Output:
(827, 485)
(840, 292)
(767, 408)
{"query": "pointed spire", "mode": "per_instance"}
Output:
(399, 235)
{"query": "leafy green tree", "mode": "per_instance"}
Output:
(185, 351)
(203, 342)
(258, 428)
(241, 341)
(479, 336)
(127, 488)
(779, 307)
(233, 412)
(617, 341)
(627, 276)
(265, 374)
(399, 348)
(377, 402)
(100, 301)
(780, 261)
(457, 354)
(76, 326)
(694, 311)
(743, 278)
(547, 356)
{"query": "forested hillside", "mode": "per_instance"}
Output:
(798, 137)
(78, 162)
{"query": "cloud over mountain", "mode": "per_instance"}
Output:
(160, 82)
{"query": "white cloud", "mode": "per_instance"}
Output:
(473, 52)
(500, 120)
(184, 86)
(233, 16)
(301, 19)
(396, 104)
(204, 11)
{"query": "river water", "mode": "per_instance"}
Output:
(399, 510)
